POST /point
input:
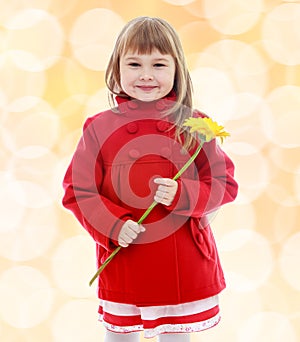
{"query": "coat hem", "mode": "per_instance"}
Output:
(189, 296)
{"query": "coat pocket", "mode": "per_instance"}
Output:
(203, 239)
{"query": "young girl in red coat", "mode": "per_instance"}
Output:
(166, 279)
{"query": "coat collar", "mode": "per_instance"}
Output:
(132, 107)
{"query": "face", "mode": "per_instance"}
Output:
(147, 77)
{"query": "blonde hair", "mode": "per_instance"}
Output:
(143, 35)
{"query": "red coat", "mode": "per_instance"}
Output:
(110, 180)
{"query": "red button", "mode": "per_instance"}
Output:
(132, 127)
(161, 105)
(132, 104)
(162, 126)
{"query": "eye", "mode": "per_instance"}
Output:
(134, 64)
(159, 65)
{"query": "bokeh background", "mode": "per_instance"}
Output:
(244, 58)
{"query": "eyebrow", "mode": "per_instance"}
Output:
(160, 59)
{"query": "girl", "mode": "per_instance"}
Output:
(166, 279)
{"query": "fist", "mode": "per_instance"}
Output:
(166, 190)
(129, 231)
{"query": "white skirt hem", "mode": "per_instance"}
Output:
(164, 328)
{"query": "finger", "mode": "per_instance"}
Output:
(164, 188)
(164, 181)
(161, 194)
(134, 226)
(164, 201)
(122, 243)
(131, 234)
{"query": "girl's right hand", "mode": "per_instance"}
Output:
(129, 232)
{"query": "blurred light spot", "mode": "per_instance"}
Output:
(73, 265)
(281, 33)
(35, 39)
(271, 290)
(11, 211)
(62, 8)
(40, 170)
(71, 110)
(93, 35)
(26, 297)
(233, 16)
(289, 261)
(179, 2)
(75, 321)
(212, 88)
(69, 142)
(30, 123)
(248, 73)
(32, 237)
(10, 9)
(75, 77)
(247, 258)
(245, 122)
(282, 123)
(297, 184)
(246, 304)
(282, 190)
(16, 83)
(251, 184)
(286, 159)
(267, 326)
(97, 102)
(234, 217)
(199, 28)
(195, 8)
(284, 222)
(30, 194)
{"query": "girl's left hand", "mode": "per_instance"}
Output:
(166, 190)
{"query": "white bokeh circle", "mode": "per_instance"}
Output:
(31, 127)
(245, 122)
(289, 261)
(16, 83)
(72, 263)
(26, 297)
(32, 234)
(35, 39)
(9, 9)
(252, 173)
(281, 123)
(12, 212)
(267, 326)
(281, 33)
(247, 258)
(75, 321)
(209, 98)
(92, 37)
(232, 16)
(248, 72)
(179, 2)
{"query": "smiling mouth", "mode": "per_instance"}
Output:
(146, 88)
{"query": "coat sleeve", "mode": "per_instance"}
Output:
(214, 184)
(101, 217)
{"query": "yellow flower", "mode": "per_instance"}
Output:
(207, 128)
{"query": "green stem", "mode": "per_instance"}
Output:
(147, 212)
(101, 268)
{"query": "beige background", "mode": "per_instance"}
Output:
(244, 58)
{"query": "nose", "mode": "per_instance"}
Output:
(146, 76)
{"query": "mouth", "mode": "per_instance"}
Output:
(146, 88)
